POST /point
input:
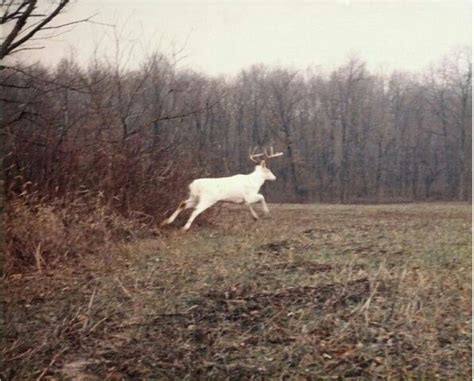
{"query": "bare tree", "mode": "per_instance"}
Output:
(285, 98)
(450, 99)
(349, 136)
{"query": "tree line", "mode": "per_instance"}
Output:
(137, 136)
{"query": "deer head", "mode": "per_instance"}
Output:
(260, 160)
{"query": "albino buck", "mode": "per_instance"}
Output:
(203, 193)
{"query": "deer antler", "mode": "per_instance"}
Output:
(272, 154)
(253, 155)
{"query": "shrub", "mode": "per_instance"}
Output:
(41, 232)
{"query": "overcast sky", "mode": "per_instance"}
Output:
(225, 36)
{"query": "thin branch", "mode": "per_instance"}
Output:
(87, 19)
(51, 35)
(27, 48)
(6, 100)
(9, 85)
(10, 44)
(19, 25)
(24, 140)
(15, 14)
(50, 82)
(186, 114)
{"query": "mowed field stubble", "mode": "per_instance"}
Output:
(313, 291)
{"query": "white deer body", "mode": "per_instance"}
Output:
(204, 193)
(236, 189)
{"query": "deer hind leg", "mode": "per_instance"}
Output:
(201, 207)
(189, 203)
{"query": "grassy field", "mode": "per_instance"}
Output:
(314, 291)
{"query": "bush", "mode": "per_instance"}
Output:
(40, 232)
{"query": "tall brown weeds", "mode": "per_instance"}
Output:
(40, 232)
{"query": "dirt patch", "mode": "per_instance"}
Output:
(318, 232)
(292, 267)
(282, 247)
(276, 247)
(249, 300)
(221, 333)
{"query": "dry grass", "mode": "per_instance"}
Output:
(316, 291)
(40, 233)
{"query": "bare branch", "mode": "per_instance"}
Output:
(184, 115)
(21, 22)
(27, 48)
(15, 14)
(60, 85)
(10, 44)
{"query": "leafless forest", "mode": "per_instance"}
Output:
(349, 135)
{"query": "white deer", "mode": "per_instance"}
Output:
(204, 193)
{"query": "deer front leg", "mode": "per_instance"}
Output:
(259, 198)
(254, 215)
(264, 204)
(252, 200)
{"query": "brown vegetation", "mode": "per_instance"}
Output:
(42, 233)
(314, 292)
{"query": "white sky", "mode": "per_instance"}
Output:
(225, 36)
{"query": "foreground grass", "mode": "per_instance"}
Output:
(316, 291)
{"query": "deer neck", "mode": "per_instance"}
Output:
(257, 178)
